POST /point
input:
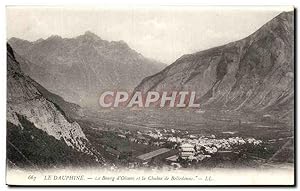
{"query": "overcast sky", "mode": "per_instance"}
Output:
(161, 33)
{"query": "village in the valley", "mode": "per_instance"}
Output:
(150, 139)
(179, 149)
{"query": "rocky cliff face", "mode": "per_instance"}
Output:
(25, 99)
(79, 69)
(255, 73)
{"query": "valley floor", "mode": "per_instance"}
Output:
(220, 139)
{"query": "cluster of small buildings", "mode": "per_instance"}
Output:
(212, 145)
(188, 146)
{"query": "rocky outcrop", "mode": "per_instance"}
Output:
(255, 73)
(79, 69)
(25, 98)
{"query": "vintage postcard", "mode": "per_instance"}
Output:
(158, 95)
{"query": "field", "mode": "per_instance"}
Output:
(210, 122)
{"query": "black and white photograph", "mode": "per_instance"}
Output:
(150, 95)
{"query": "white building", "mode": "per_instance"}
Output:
(186, 150)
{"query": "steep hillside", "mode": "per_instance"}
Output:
(30, 147)
(79, 69)
(31, 106)
(255, 73)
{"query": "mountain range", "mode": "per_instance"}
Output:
(79, 69)
(253, 74)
